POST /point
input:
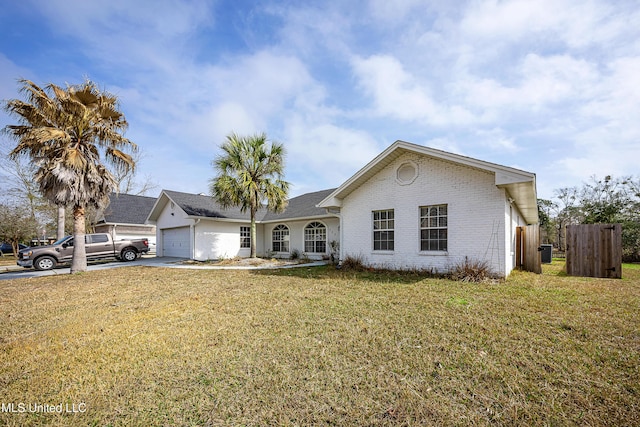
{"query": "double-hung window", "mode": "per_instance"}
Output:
(315, 238)
(245, 237)
(433, 228)
(383, 230)
(280, 238)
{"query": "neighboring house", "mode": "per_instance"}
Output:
(125, 218)
(417, 207)
(410, 207)
(194, 226)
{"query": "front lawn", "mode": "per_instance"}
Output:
(145, 346)
(7, 261)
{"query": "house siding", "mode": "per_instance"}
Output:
(296, 236)
(220, 240)
(513, 219)
(476, 215)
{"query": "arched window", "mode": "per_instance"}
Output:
(280, 238)
(315, 238)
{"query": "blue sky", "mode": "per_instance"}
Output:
(548, 86)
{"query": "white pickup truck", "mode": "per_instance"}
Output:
(98, 246)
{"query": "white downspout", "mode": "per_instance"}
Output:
(193, 238)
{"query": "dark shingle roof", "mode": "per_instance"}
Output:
(127, 209)
(302, 206)
(204, 206)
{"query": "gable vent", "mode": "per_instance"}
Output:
(406, 173)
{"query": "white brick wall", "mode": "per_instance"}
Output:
(476, 216)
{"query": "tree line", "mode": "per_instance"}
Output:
(608, 200)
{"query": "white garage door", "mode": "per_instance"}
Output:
(175, 242)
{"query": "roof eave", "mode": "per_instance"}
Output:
(128, 224)
(524, 196)
(160, 203)
(301, 218)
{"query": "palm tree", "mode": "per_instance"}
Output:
(65, 132)
(249, 174)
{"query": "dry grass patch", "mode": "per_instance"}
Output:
(247, 262)
(147, 346)
(7, 261)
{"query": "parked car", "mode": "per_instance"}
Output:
(98, 246)
(7, 249)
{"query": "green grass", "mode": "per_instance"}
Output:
(308, 346)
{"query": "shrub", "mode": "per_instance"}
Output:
(353, 263)
(473, 270)
(295, 254)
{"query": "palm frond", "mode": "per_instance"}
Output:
(249, 174)
(65, 130)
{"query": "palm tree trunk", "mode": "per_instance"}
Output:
(253, 233)
(61, 216)
(79, 261)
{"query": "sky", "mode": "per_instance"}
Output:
(547, 86)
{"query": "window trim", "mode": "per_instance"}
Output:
(388, 230)
(439, 227)
(285, 238)
(245, 237)
(315, 241)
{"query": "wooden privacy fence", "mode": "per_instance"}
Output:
(527, 244)
(594, 250)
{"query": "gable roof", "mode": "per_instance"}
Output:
(196, 206)
(520, 185)
(203, 206)
(127, 209)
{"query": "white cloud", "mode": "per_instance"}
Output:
(617, 97)
(325, 154)
(608, 140)
(536, 82)
(400, 95)
(505, 81)
(575, 23)
(444, 144)
(497, 139)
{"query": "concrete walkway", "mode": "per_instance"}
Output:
(178, 263)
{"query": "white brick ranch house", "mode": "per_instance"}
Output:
(194, 226)
(417, 207)
(410, 207)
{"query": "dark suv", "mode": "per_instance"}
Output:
(6, 248)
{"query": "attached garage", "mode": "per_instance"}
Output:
(176, 242)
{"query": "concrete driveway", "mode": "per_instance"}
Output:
(17, 272)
